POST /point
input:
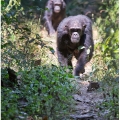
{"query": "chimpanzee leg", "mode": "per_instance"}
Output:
(49, 27)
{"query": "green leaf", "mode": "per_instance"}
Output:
(13, 37)
(81, 47)
(2, 2)
(52, 50)
(116, 51)
(4, 45)
(46, 8)
(26, 29)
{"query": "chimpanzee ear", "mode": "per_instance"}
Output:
(66, 27)
(84, 25)
(63, 4)
(51, 1)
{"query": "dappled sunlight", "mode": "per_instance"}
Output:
(34, 85)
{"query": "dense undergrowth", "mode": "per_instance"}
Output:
(106, 58)
(36, 89)
(42, 89)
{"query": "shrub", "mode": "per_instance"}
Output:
(45, 90)
(105, 67)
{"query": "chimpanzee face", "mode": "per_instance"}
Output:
(75, 30)
(57, 4)
(75, 34)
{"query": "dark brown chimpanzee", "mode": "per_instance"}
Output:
(54, 15)
(74, 37)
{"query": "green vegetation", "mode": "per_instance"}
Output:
(46, 89)
(106, 58)
(42, 91)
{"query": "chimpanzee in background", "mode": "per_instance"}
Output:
(74, 37)
(54, 15)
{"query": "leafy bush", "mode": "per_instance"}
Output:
(22, 44)
(109, 86)
(85, 7)
(44, 90)
(9, 108)
(105, 67)
(107, 23)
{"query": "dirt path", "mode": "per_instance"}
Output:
(85, 101)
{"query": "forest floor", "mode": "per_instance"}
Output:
(86, 100)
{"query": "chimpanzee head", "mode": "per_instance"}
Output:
(57, 5)
(75, 30)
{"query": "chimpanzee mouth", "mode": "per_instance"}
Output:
(57, 11)
(74, 40)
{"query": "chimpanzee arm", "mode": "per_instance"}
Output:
(48, 18)
(62, 59)
(80, 64)
(87, 53)
(62, 36)
(61, 49)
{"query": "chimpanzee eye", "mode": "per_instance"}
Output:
(57, 4)
(75, 30)
(78, 30)
(72, 30)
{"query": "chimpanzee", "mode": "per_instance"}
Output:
(54, 15)
(74, 37)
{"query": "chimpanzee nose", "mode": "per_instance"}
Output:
(75, 34)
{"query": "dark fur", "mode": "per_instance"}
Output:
(51, 18)
(66, 49)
